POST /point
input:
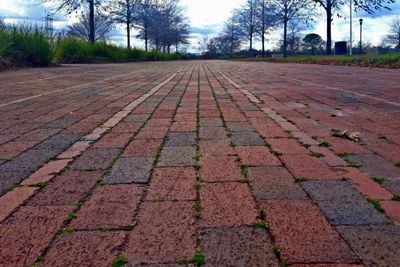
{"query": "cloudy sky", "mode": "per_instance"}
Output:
(207, 17)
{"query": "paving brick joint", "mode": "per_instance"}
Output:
(210, 163)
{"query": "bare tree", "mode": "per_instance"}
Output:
(81, 29)
(232, 35)
(124, 12)
(166, 25)
(333, 7)
(393, 37)
(265, 20)
(145, 12)
(296, 11)
(246, 16)
(70, 6)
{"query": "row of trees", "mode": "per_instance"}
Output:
(160, 23)
(255, 19)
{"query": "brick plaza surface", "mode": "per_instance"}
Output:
(236, 162)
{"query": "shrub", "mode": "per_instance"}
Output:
(26, 45)
(71, 50)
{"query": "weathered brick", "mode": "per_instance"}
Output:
(27, 232)
(238, 246)
(304, 235)
(170, 225)
(226, 204)
(84, 249)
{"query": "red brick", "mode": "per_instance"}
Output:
(329, 158)
(113, 140)
(13, 199)
(304, 166)
(226, 205)
(287, 146)
(47, 172)
(84, 249)
(218, 147)
(219, 168)
(187, 126)
(392, 209)
(111, 206)
(12, 149)
(152, 133)
(157, 122)
(75, 150)
(143, 148)
(341, 145)
(257, 155)
(127, 127)
(326, 265)
(272, 132)
(388, 151)
(303, 234)
(364, 183)
(165, 233)
(174, 183)
(27, 232)
(66, 189)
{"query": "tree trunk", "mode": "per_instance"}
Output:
(146, 39)
(91, 21)
(328, 29)
(128, 34)
(285, 37)
(128, 24)
(263, 29)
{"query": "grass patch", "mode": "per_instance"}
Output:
(197, 185)
(197, 209)
(71, 216)
(391, 60)
(324, 143)
(351, 163)
(317, 155)
(376, 204)
(277, 153)
(379, 180)
(244, 181)
(105, 229)
(301, 179)
(198, 258)
(261, 225)
(67, 230)
(41, 184)
(119, 261)
(396, 198)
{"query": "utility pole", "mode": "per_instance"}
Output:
(361, 23)
(48, 23)
(351, 27)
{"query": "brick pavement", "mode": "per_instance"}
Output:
(199, 163)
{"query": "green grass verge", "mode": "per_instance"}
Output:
(381, 61)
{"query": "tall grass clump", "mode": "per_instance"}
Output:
(72, 50)
(26, 45)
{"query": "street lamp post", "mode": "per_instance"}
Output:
(361, 23)
(351, 27)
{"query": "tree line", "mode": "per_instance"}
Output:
(256, 19)
(161, 24)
